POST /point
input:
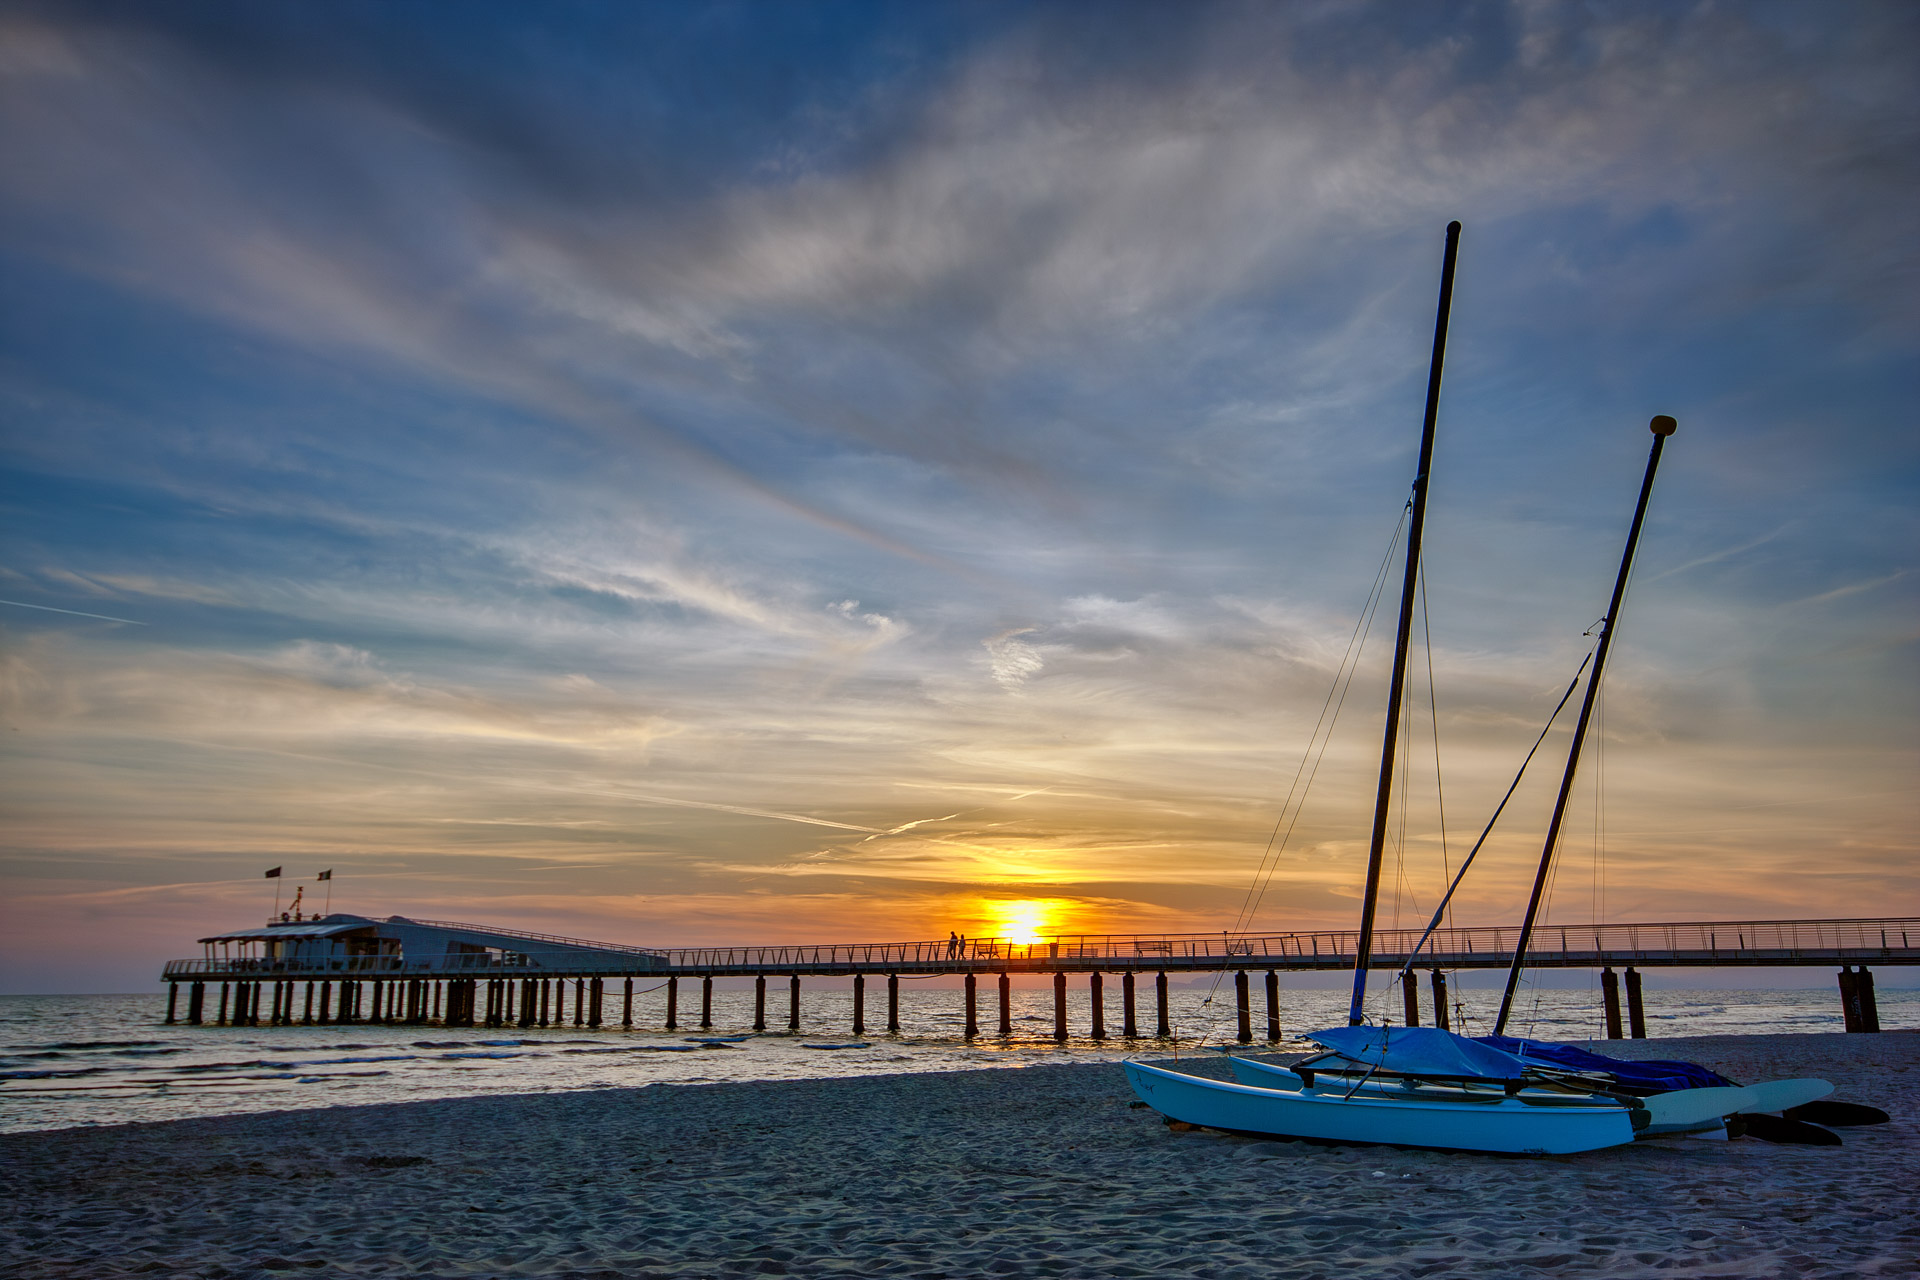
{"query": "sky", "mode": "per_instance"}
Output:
(686, 473)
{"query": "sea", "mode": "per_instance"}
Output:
(111, 1059)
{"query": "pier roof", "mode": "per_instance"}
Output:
(331, 927)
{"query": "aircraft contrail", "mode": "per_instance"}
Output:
(104, 617)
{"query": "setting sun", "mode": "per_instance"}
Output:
(1025, 921)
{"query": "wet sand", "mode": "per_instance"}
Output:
(1044, 1171)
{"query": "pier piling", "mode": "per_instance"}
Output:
(973, 1007)
(1273, 1007)
(706, 1002)
(1610, 1000)
(196, 1002)
(673, 1004)
(759, 1001)
(793, 1002)
(1636, 1009)
(1006, 1006)
(1161, 1029)
(626, 1010)
(1129, 1027)
(173, 995)
(221, 1020)
(1060, 1007)
(859, 1003)
(893, 1002)
(1097, 1001)
(1440, 1012)
(1243, 1007)
(1410, 997)
(579, 1000)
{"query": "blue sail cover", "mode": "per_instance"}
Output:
(1661, 1076)
(1420, 1051)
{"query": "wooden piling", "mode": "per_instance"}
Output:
(1441, 1014)
(546, 997)
(509, 990)
(196, 1003)
(599, 995)
(529, 1001)
(1273, 1007)
(706, 1002)
(1128, 1026)
(1242, 1007)
(893, 1002)
(973, 1015)
(1636, 1008)
(1161, 1028)
(1006, 1006)
(579, 1001)
(673, 1004)
(859, 1003)
(373, 1000)
(1097, 995)
(759, 1001)
(1849, 999)
(173, 995)
(626, 1011)
(1410, 997)
(1610, 999)
(220, 1019)
(1869, 1004)
(1060, 1006)
(326, 993)
(793, 1002)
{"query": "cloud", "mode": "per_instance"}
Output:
(524, 455)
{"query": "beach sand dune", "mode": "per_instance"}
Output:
(1045, 1171)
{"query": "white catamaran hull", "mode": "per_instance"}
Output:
(1508, 1126)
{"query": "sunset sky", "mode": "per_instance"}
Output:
(764, 472)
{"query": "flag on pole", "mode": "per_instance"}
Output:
(325, 875)
(273, 874)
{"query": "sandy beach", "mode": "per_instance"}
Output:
(1046, 1171)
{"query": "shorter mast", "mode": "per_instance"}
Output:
(1662, 426)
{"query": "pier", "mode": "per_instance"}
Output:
(348, 969)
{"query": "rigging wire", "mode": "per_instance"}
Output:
(1336, 699)
(1433, 715)
(1501, 808)
(1294, 803)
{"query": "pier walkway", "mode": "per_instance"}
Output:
(418, 971)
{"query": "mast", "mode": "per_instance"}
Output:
(1363, 952)
(1662, 426)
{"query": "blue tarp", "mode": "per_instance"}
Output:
(1661, 1076)
(1420, 1051)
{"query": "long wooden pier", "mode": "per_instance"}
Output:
(409, 971)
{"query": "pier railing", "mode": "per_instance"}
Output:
(1697, 942)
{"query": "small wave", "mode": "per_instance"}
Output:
(64, 1045)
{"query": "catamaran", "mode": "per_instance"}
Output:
(1428, 1087)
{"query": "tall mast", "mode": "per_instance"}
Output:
(1363, 953)
(1662, 426)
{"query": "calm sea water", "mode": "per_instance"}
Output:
(90, 1060)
